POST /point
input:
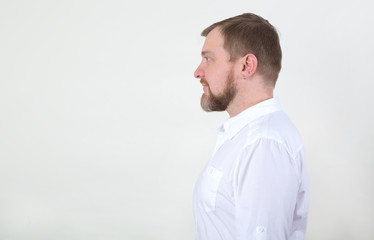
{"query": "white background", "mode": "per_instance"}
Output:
(101, 131)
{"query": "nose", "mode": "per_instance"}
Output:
(199, 73)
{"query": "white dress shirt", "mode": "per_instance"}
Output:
(255, 186)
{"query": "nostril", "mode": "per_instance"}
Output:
(198, 73)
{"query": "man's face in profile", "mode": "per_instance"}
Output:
(216, 74)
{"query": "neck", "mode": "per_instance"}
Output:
(235, 110)
(247, 96)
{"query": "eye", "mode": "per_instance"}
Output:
(207, 59)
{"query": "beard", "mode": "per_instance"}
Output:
(220, 102)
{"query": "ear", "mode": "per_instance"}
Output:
(249, 65)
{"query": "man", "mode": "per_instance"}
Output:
(255, 186)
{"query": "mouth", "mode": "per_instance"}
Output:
(205, 85)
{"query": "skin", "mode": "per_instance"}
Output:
(216, 69)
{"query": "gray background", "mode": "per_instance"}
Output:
(102, 135)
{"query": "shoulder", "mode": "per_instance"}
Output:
(271, 130)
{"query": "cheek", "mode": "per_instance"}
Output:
(217, 84)
(216, 78)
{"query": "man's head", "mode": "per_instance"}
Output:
(228, 43)
(250, 33)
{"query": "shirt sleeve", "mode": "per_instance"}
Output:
(266, 190)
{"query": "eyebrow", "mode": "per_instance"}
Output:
(203, 53)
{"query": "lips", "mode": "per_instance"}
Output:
(205, 85)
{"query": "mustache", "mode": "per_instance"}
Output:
(203, 81)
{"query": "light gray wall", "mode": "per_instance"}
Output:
(102, 135)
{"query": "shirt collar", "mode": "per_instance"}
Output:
(233, 125)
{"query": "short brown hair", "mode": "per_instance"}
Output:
(250, 33)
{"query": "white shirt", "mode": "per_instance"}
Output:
(255, 186)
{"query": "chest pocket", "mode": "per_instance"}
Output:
(209, 183)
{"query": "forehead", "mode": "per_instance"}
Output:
(214, 42)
